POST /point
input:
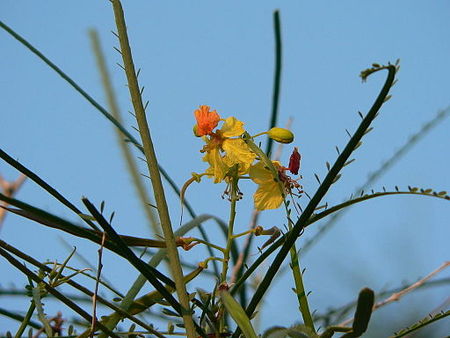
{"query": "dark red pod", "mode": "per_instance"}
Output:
(294, 161)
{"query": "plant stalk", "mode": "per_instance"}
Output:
(152, 164)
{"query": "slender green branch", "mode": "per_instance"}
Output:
(154, 261)
(316, 217)
(115, 111)
(321, 191)
(277, 77)
(152, 163)
(422, 323)
(26, 320)
(74, 284)
(103, 111)
(226, 256)
(295, 264)
(14, 262)
(385, 166)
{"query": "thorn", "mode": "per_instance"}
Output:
(146, 105)
(120, 65)
(133, 114)
(138, 72)
(338, 176)
(337, 149)
(112, 216)
(396, 188)
(348, 162)
(142, 159)
(328, 165)
(142, 90)
(135, 128)
(115, 34)
(360, 115)
(368, 130)
(317, 178)
(118, 50)
(348, 133)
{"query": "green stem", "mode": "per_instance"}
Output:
(298, 280)
(86, 316)
(321, 191)
(226, 255)
(105, 113)
(26, 320)
(295, 265)
(152, 164)
(115, 111)
(230, 238)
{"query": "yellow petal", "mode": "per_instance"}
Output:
(237, 152)
(232, 127)
(267, 196)
(218, 168)
(260, 174)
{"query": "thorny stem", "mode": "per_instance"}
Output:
(127, 154)
(177, 272)
(299, 287)
(320, 193)
(295, 265)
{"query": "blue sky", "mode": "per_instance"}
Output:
(222, 55)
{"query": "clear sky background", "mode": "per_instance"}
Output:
(222, 55)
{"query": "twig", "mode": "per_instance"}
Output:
(397, 295)
(94, 297)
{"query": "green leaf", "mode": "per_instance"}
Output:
(238, 314)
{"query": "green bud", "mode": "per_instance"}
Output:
(194, 130)
(281, 135)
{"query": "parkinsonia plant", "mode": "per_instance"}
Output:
(178, 302)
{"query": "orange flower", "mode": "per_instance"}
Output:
(206, 121)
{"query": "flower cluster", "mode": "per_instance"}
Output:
(225, 150)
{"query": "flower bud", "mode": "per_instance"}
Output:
(281, 135)
(195, 130)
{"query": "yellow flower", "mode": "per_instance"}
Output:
(224, 149)
(269, 194)
(235, 150)
(272, 190)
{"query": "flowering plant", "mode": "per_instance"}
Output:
(219, 294)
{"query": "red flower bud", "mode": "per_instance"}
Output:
(294, 161)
